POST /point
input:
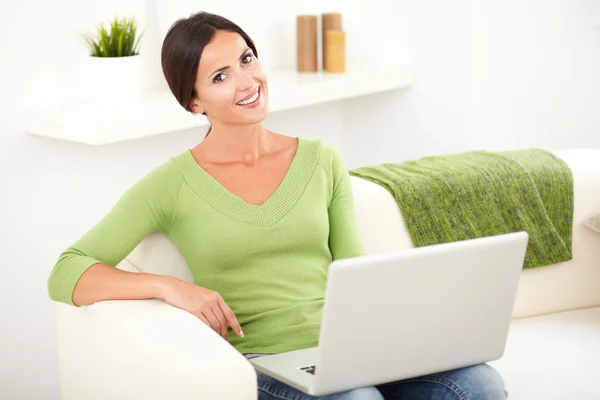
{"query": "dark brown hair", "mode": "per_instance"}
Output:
(183, 46)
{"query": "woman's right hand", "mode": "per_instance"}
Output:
(206, 304)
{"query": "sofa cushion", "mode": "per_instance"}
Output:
(556, 356)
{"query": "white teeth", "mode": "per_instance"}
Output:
(250, 100)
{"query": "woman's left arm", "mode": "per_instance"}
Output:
(344, 236)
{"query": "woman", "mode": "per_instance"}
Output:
(257, 215)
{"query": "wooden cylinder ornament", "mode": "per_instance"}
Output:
(329, 21)
(335, 42)
(306, 43)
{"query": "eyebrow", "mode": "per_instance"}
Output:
(226, 67)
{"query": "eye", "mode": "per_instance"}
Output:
(247, 59)
(219, 78)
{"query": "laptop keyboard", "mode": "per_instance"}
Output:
(310, 369)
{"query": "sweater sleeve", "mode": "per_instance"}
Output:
(344, 236)
(147, 206)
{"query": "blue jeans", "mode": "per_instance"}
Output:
(479, 382)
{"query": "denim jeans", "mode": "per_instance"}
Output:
(479, 382)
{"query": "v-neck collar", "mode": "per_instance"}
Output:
(284, 198)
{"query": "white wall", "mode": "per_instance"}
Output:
(536, 74)
(489, 75)
(433, 116)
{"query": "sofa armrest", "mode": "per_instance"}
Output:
(146, 349)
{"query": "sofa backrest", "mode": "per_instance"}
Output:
(559, 287)
(565, 286)
(379, 218)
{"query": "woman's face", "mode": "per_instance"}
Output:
(231, 85)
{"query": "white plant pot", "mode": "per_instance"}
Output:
(117, 81)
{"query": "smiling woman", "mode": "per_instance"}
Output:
(210, 55)
(258, 216)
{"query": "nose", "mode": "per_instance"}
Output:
(245, 81)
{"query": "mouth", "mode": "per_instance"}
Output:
(251, 99)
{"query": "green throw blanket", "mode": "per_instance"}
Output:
(468, 195)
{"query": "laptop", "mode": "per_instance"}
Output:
(398, 315)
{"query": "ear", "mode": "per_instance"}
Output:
(196, 106)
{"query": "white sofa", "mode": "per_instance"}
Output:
(149, 350)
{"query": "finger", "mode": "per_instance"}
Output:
(203, 319)
(212, 320)
(222, 321)
(230, 317)
(217, 327)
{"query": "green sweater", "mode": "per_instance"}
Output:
(268, 262)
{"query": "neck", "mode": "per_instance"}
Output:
(238, 143)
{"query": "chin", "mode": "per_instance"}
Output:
(251, 117)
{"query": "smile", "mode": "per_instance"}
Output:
(249, 100)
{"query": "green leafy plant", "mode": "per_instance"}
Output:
(120, 39)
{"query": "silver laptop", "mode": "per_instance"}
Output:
(400, 315)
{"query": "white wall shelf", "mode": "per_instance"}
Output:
(159, 113)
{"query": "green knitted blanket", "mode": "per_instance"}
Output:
(468, 195)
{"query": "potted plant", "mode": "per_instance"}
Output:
(115, 61)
